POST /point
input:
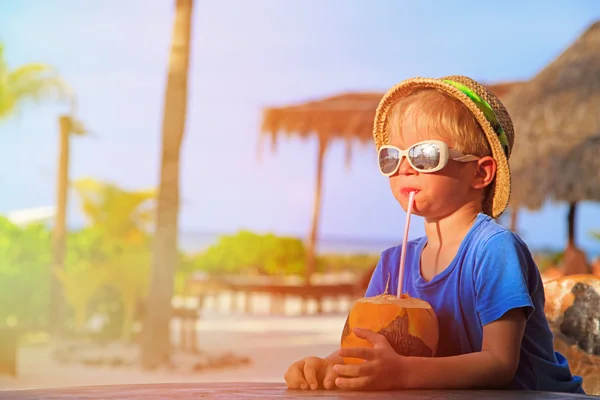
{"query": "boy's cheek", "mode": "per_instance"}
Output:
(395, 183)
(395, 188)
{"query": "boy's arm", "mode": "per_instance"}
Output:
(493, 367)
(503, 277)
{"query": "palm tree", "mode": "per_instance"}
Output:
(121, 214)
(155, 339)
(68, 126)
(36, 82)
(123, 218)
(29, 82)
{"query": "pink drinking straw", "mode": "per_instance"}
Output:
(411, 198)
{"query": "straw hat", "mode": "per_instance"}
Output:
(487, 110)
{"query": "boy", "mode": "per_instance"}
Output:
(448, 140)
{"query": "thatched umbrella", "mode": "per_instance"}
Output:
(349, 117)
(583, 160)
(555, 116)
(346, 116)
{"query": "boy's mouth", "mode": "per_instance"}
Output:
(406, 191)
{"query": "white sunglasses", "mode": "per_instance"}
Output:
(426, 156)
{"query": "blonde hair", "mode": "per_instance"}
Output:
(434, 110)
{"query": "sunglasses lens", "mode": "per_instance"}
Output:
(425, 156)
(388, 160)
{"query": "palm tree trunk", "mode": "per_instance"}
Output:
(59, 230)
(311, 258)
(575, 260)
(571, 224)
(155, 340)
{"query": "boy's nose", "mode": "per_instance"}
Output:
(405, 168)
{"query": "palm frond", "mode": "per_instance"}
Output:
(30, 82)
(118, 212)
(37, 82)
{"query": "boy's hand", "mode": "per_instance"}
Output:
(381, 370)
(311, 373)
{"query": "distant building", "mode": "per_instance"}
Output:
(31, 215)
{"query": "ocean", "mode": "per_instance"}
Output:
(196, 242)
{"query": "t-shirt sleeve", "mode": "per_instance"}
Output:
(501, 277)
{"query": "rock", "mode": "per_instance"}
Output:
(572, 307)
(559, 296)
(581, 363)
(581, 321)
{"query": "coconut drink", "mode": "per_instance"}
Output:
(409, 324)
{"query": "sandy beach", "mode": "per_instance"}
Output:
(272, 343)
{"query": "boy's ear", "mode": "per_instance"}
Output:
(484, 172)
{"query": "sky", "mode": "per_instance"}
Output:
(247, 55)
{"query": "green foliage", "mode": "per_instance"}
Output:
(251, 253)
(347, 262)
(557, 257)
(79, 282)
(187, 266)
(120, 214)
(129, 274)
(106, 263)
(25, 259)
(107, 303)
(115, 248)
(106, 276)
(549, 259)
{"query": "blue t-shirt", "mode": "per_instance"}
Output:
(492, 273)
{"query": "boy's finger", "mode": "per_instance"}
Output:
(310, 374)
(372, 337)
(350, 370)
(363, 353)
(294, 377)
(361, 382)
(355, 370)
(329, 378)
